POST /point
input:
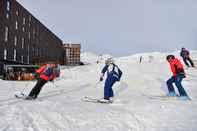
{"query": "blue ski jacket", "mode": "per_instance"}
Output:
(112, 70)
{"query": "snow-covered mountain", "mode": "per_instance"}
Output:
(136, 107)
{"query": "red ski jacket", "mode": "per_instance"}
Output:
(176, 67)
(42, 71)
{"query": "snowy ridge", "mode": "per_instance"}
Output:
(88, 57)
(59, 106)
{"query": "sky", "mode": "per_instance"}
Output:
(120, 27)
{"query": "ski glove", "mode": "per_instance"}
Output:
(101, 78)
(36, 75)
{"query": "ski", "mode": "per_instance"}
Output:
(20, 96)
(169, 98)
(163, 97)
(94, 100)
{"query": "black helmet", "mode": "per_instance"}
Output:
(170, 57)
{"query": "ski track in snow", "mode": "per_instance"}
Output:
(59, 107)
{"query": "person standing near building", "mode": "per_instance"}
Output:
(186, 57)
(45, 73)
(113, 74)
(178, 75)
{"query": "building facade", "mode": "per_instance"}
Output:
(72, 54)
(24, 39)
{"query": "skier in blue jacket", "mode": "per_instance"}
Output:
(113, 74)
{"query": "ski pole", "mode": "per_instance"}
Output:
(95, 86)
(26, 85)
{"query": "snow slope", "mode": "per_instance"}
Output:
(59, 106)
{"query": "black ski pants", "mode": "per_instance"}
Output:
(37, 88)
(190, 61)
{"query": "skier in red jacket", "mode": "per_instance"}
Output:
(47, 72)
(178, 75)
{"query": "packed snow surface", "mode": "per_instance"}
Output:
(137, 104)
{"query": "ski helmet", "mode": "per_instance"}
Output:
(109, 61)
(170, 57)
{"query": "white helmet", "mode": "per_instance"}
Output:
(109, 61)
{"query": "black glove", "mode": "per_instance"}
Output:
(101, 78)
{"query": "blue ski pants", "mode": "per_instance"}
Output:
(177, 80)
(109, 82)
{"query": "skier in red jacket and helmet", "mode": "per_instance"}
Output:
(178, 75)
(47, 72)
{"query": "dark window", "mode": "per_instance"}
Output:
(23, 20)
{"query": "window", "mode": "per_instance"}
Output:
(23, 29)
(28, 59)
(22, 59)
(37, 52)
(14, 54)
(28, 54)
(5, 54)
(16, 25)
(29, 18)
(6, 34)
(23, 20)
(7, 15)
(8, 5)
(33, 50)
(29, 35)
(34, 33)
(17, 12)
(15, 40)
(23, 41)
(68, 52)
